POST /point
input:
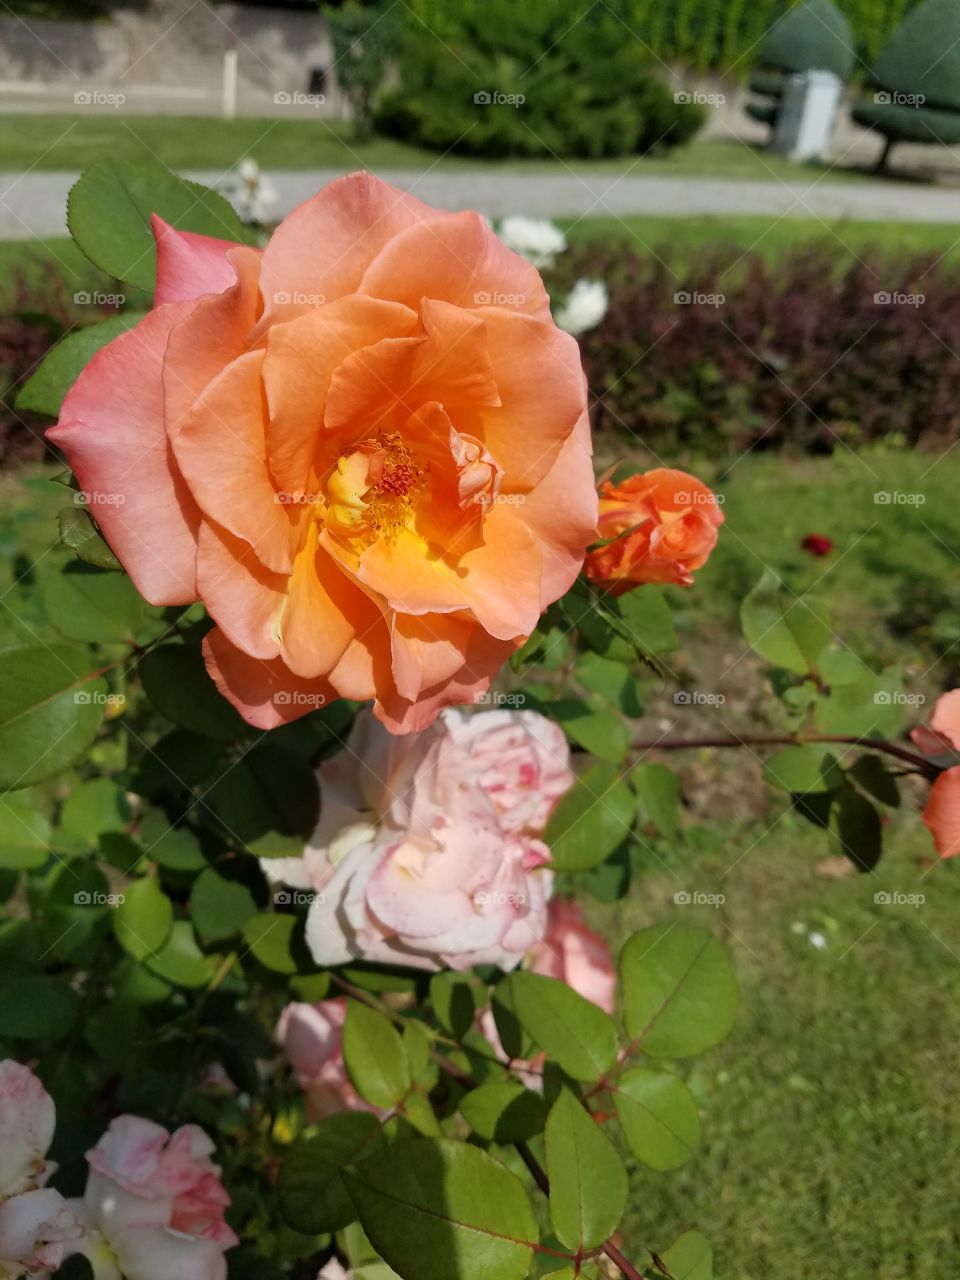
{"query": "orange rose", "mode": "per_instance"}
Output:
(942, 814)
(365, 450)
(658, 527)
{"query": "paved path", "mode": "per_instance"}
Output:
(33, 204)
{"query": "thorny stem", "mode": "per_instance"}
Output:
(786, 740)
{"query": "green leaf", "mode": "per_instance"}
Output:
(313, 1198)
(418, 1112)
(50, 709)
(94, 605)
(270, 938)
(574, 1032)
(680, 990)
(219, 906)
(268, 803)
(659, 1117)
(444, 1210)
(592, 819)
(603, 733)
(453, 1002)
(856, 826)
(871, 706)
(92, 808)
(24, 834)
(690, 1257)
(504, 1111)
(659, 790)
(870, 773)
(44, 390)
(176, 682)
(81, 535)
(588, 1183)
(375, 1058)
(804, 770)
(788, 633)
(181, 961)
(108, 212)
(38, 1008)
(176, 848)
(612, 680)
(648, 619)
(839, 666)
(143, 919)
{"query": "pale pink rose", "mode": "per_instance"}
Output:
(427, 850)
(576, 955)
(311, 1035)
(36, 1230)
(35, 1222)
(155, 1202)
(27, 1121)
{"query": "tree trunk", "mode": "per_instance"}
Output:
(884, 156)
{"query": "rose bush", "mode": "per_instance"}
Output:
(365, 450)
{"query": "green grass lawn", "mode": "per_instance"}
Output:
(203, 142)
(831, 1117)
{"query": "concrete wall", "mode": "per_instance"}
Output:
(168, 56)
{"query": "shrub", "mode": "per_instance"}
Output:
(797, 354)
(498, 79)
(362, 36)
(34, 313)
(918, 74)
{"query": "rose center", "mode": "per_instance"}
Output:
(372, 489)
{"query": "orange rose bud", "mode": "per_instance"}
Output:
(657, 527)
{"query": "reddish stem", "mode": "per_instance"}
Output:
(786, 740)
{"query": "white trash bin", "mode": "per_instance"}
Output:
(806, 115)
